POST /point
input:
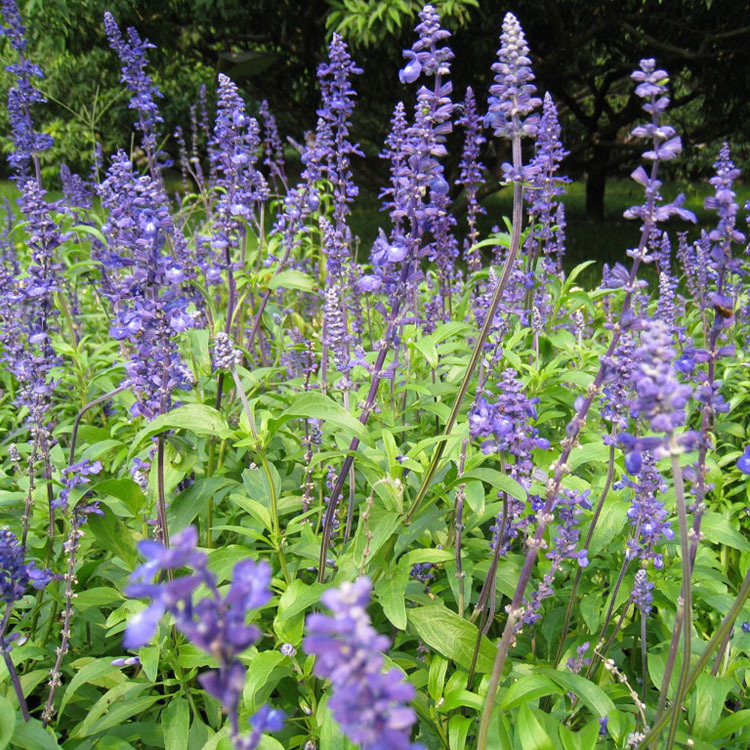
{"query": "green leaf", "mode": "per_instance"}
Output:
(175, 722)
(497, 480)
(87, 674)
(197, 418)
(589, 453)
(188, 504)
(93, 231)
(149, 656)
(116, 706)
(729, 725)
(297, 599)
(452, 636)
(436, 676)
(291, 279)
(125, 490)
(591, 695)
(7, 721)
(586, 739)
(108, 742)
(708, 703)
(331, 736)
(317, 406)
(264, 672)
(31, 735)
(426, 555)
(391, 591)
(576, 272)
(458, 729)
(99, 596)
(112, 534)
(530, 732)
(717, 529)
(529, 688)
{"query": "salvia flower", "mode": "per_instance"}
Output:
(660, 397)
(336, 110)
(27, 143)
(148, 298)
(15, 573)
(226, 355)
(546, 186)
(273, 149)
(665, 146)
(568, 507)
(366, 701)
(235, 149)
(647, 514)
(743, 462)
(417, 174)
(577, 663)
(28, 316)
(132, 54)
(426, 55)
(214, 623)
(641, 594)
(512, 100)
(76, 475)
(471, 175)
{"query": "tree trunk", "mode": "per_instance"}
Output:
(596, 182)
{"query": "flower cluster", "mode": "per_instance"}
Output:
(27, 321)
(215, 623)
(132, 54)
(76, 475)
(15, 573)
(148, 300)
(665, 146)
(366, 701)
(415, 150)
(471, 175)
(647, 514)
(234, 153)
(660, 397)
(568, 508)
(641, 593)
(512, 101)
(27, 143)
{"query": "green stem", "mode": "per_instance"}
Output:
(716, 639)
(686, 588)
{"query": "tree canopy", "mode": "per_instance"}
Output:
(583, 54)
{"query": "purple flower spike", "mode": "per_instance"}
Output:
(366, 702)
(512, 99)
(215, 624)
(132, 54)
(15, 573)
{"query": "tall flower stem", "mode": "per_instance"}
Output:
(553, 486)
(515, 244)
(354, 445)
(586, 545)
(476, 355)
(279, 547)
(686, 598)
(161, 501)
(82, 412)
(71, 546)
(726, 626)
(10, 666)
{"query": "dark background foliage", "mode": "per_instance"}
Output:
(582, 52)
